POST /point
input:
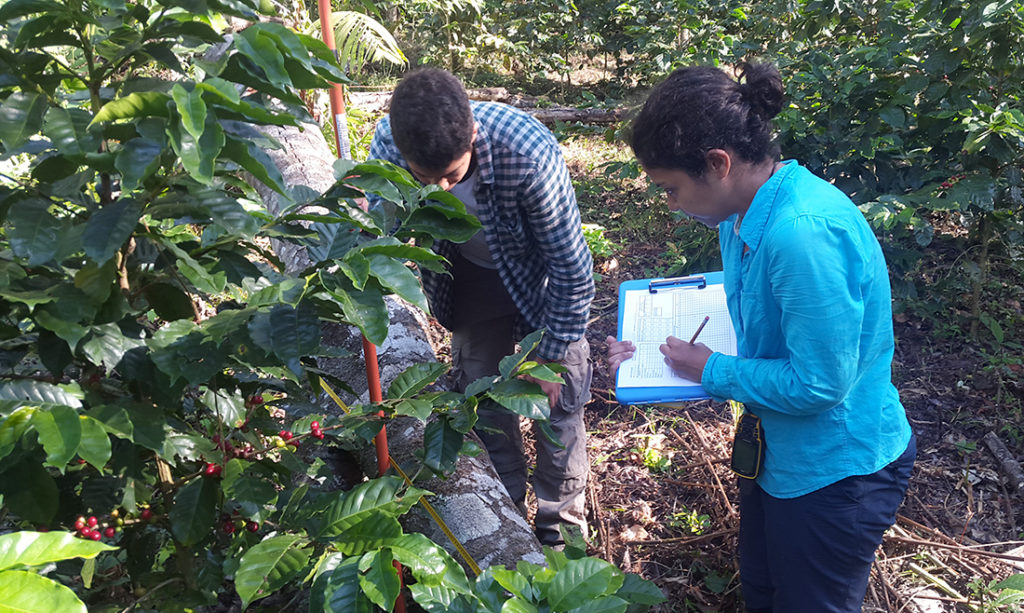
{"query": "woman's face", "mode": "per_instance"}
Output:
(700, 198)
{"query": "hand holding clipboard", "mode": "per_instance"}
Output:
(651, 313)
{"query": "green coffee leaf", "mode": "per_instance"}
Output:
(399, 278)
(268, 565)
(27, 592)
(21, 116)
(109, 228)
(441, 445)
(582, 581)
(134, 106)
(194, 510)
(379, 578)
(95, 445)
(27, 549)
(33, 232)
(60, 433)
(415, 378)
(522, 398)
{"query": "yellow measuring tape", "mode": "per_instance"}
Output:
(426, 505)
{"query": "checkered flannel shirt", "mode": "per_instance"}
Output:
(528, 210)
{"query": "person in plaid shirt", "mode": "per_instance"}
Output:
(529, 268)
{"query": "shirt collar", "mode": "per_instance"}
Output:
(482, 149)
(751, 230)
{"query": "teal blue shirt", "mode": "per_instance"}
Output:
(811, 304)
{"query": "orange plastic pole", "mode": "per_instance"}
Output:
(369, 349)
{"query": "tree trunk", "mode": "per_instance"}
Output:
(379, 101)
(472, 501)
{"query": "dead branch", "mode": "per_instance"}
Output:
(1009, 465)
(685, 540)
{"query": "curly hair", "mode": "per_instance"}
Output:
(700, 108)
(431, 120)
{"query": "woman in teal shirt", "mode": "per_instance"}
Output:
(808, 293)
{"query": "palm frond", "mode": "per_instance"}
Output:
(361, 40)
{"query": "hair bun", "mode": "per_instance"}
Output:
(761, 88)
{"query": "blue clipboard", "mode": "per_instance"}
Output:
(662, 395)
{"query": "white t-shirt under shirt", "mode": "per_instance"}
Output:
(475, 249)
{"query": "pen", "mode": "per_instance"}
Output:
(699, 328)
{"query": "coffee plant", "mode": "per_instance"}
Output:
(160, 381)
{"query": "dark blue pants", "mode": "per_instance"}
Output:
(813, 553)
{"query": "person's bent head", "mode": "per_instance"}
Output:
(432, 125)
(699, 109)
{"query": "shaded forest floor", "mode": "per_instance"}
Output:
(663, 501)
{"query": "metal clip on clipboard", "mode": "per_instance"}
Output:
(693, 281)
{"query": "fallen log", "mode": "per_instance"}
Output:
(379, 101)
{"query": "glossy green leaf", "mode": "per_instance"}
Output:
(256, 162)
(135, 106)
(392, 247)
(288, 332)
(13, 427)
(198, 155)
(60, 434)
(114, 420)
(363, 308)
(399, 278)
(379, 578)
(39, 393)
(581, 581)
(602, 604)
(191, 108)
(415, 378)
(194, 510)
(27, 549)
(33, 232)
(94, 447)
(243, 486)
(1013, 582)
(27, 592)
(441, 445)
(229, 407)
(378, 498)
(518, 605)
(23, 8)
(110, 227)
(217, 87)
(521, 397)
(138, 159)
(513, 582)
(356, 267)
(427, 560)
(21, 116)
(261, 49)
(640, 591)
(440, 223)
(415, 407)
(340, 591)
(269, 565)
(67, 129)
(107, 344)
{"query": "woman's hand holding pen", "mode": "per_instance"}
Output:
(618, 352)
(685, 359)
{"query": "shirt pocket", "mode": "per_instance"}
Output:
(754, 318)
(511, 234)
